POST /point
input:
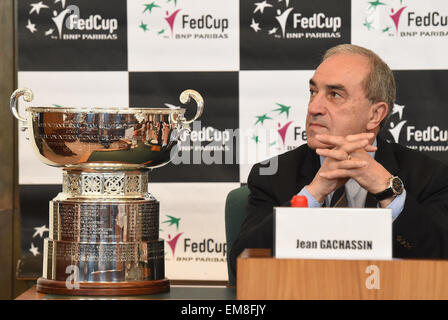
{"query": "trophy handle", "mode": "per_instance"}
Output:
(27, 96)
(181, 131)
(185, 97)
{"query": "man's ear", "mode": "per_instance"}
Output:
(377, 113)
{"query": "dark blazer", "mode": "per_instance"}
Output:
(420, 231)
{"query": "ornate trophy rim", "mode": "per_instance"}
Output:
(184, 98)
(63, 136)
(113, 110)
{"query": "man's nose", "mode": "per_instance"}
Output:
(316, 105)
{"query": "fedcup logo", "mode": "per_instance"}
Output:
(168, 21)
(430, 138)
(282, 128)
(190, 246)
(396, 127)
(173, 239)
(404, 19)
(274, 132)
(292, 24)
(67, 22)
(39, 231)
(383, 16)
(277, 120)
(210, 146)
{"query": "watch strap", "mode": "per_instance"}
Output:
(384, 194)
(390, 191)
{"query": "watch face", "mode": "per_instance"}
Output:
(397, 185)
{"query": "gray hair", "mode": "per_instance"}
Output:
(379, 84)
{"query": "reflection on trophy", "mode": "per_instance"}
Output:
(104, 225)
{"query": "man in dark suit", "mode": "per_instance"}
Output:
(351, 94)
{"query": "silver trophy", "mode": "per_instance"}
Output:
(104, 225)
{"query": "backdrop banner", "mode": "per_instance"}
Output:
(251, 60)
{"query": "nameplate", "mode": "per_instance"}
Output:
(333, 233)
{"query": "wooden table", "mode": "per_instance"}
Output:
(261, 276)
(177, 292)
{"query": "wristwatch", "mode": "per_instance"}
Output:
(395, 188)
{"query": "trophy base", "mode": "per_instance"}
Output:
(104, 288)
(104, 236)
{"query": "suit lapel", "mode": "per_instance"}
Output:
(385, 156)
(308, 168)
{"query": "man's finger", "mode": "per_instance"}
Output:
(336, 141)
(336, 154)
(353, 146)
(348, 146)
(337, 174)
(370, 148)
(339, 140)
(360, 136)
(351, 164)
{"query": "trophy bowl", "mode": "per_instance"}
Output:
(105, 137)
(104, 225)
